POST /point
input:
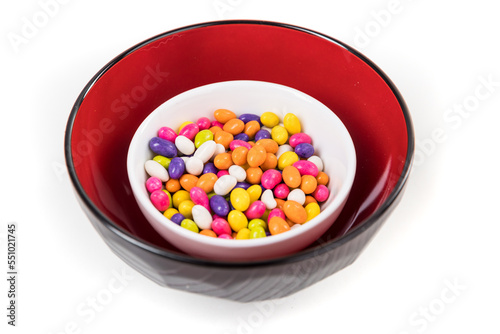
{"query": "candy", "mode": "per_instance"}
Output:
(160, 200)
(252, 224)
(177, 218)
(250, 117)
(163, 147)
(254, 175)
(167, 134)
(312, 210)
(278, 225)
(262, 134)
(254, 191)
(189, 131)
(154, 169)
(269, 119)
(224, 138)
(281, 191)
(238, 172)
(317, 161)
(282, 149)
(153, 183)
(239, 155)
(257, 232)
(208, 233)
(209, 167)
(270, 178)
(299, 138)
(287, 159)
(219, 148)
(308, 184)
(297, 195)
(219, 205)
(256, 156)
(306, 168)
(251, 128)
(224, 185)
(242, 185)
(194, 166)
(295, 212)
(279, 134)
(270, 145)
(225, 236)
(223, 160)
(184, 145)
(237, 220)
(292, 123)
(185, 208)
(221, 226)
(203, 123)
(244, 233)
(179, 197)
(322, 178)
(201, 217)
(276, 213)
(255, 210)
(199, 197)
(270, 162)
(268, 199)
(164, 161)
(321, 193)
(304, 150)
(240, 199)
(188, 181)
(176, 168)
(234, 126)
(190, 225)
(242, 136)
(205, 151)
(237, 143)
(206, 182)
(291, 177)
(223, 115)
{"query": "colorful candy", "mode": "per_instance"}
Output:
(243, 177)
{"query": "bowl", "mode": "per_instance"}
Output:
(123, 93)
(331, 140)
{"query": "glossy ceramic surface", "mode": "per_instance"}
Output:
(122, 94)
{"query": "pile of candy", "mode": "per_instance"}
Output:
(240, 177)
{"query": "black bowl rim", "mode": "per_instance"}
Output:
(295, 257)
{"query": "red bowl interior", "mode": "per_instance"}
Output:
(131, 86)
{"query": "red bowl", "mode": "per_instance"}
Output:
(122, 94)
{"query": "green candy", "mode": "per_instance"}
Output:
(257, 232)
(164, 161)
(255, 223)
(188, 224)
(203, 136)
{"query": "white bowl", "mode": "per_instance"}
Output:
(331, 141)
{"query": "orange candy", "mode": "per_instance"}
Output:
(251, 128)
(278, 225)
(291, 177)
(270, 145)
(256, 156)
(208, 233)
(295, 212)
(270, 162)
(172, 185)
(224, 115)
(253, 175)
(223, 160)
(239, 155)
(279, 203)
(215, 129)
(310, 199)
(188, 181)
(206, 182)
(308, 184)
(224, 138)
(322, 178)
(234, 126)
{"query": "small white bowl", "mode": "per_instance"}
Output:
(331, 141)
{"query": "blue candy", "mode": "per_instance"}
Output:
(250, 117)
(209, 168)
(304, 150)
(163, 147)
(242, 136)
(262, 134)
(176, 168)
(177, 218)
(244, 185)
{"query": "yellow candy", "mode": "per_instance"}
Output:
(254, 192)
(312, 210)
(237, 220)
(190, 225)
(287, 159)
(257, 222)
(185, 208)
(244, 233)
(170, 212)
(292, 124)
(240, 199)
(269, 119)
(279, 134)
(179, 197)
(183, 125)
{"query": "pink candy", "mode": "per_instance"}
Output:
(276, 213)
(217, 123)
(189, 130)
(255, 210)
(203, 123)
(306, 168)
(222, 173)
(299, 138)
(270, 178)
(198, 196)
(167, 134)
(321, 193)
(281, 191)
(153, 183)
(220, 226)
(160, 200)
(237, 143)
(225, 236)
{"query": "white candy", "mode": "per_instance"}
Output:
(202, 217)
(238, 172)
(297, 195)
(185, 159)
(282, 149)
(194, 166)
(293, 227)
(205, 151)
(317, 161)
(219, 148)
(266, 128)
(155, 169)
(224, 184)
(268, 199)
(184, 145)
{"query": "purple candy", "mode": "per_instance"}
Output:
(304, 150)
(243, 185)
(262, 134)
(177, 218)
(163, 147)
(250, 117)
(209, 168)
(219, 205)
(176, 168)
(242, 136)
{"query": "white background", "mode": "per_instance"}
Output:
(444, 232)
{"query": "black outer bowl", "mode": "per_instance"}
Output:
(243, 282)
